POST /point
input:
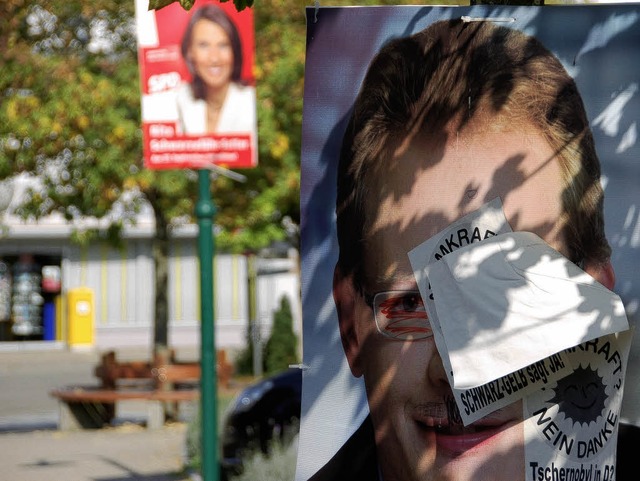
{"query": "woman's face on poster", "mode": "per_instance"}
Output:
(211, 54)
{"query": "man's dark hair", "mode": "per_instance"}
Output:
(448, 74)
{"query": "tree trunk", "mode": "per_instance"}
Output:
(160, 250)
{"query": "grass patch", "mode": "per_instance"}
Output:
(279, 465)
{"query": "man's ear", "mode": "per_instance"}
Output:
(345, 297)
(602, 272)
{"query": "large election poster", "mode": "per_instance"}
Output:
(470, 241)
(198, 92)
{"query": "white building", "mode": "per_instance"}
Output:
(122, 284)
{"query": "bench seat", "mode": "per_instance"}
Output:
(89, 407)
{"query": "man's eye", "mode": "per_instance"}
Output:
(412, 303)
(403, 305)
(402, 315)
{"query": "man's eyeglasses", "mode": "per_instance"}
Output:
(400, 314)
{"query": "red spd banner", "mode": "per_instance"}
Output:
(198, 90)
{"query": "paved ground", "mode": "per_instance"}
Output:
(127, 452)
(31, 447)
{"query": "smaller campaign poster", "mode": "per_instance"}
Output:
(197, 84)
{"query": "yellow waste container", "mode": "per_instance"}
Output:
(81, 315)
(61, 317)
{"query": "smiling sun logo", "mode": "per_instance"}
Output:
(581, 396)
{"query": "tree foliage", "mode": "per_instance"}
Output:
(71, 114)
(70, 105)
(71, 110)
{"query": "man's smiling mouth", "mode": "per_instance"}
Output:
(435, 420)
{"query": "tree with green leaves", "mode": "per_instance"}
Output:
(70, 92)
(71, 110)
(70, 104)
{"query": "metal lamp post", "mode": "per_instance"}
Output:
(205, 212)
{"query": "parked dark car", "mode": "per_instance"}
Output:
(262, 413)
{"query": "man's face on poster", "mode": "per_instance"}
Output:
(425, 187)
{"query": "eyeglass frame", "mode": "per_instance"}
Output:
(369, 300)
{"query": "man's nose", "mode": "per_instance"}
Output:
(436, 372)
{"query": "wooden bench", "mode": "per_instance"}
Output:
(161, 371)
(90, 407)
(161, 384)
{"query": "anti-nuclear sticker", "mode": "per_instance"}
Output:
(477, 402)
(571, 425)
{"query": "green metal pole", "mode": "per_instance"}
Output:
(205, 212)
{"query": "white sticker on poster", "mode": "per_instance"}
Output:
(477, 402)
(493, 392)
(511, 300)
(487, 221)
(571, 426)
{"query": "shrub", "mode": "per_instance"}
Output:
(280, 350)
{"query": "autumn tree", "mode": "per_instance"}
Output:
(70, 104)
